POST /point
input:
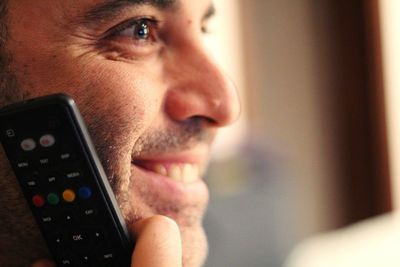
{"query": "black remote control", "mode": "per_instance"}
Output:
(61, 177)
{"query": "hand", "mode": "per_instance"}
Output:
(158, 244)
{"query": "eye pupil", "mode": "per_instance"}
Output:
(142, 31)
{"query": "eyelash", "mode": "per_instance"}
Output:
(129, 29)
(137, 37)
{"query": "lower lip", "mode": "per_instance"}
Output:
(170, 190)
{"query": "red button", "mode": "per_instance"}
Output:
(47, 140)
(38, 201)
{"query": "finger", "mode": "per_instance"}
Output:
(158, 243)
(43, 263)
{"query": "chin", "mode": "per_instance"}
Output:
(195, 246)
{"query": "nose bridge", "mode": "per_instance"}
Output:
(201, 89)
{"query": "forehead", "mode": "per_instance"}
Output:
(104, 6)
(74, 6)
(71, 11)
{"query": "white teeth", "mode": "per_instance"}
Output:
(190, 173)
(175, 172)
(160, 169)
(185, 173)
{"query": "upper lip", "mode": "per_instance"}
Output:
(170, 158)
(196, 157)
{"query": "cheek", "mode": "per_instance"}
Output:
(115, 95)
(108, 91)
(119, 102)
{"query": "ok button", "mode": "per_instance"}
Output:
(79, 238)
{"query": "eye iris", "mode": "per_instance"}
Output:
(142, 31)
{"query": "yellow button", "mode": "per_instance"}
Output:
(68, 195)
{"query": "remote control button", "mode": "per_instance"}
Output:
(57, 241)
(78, 238)
(30, 183)
(53, 199)
(98, 235)
(85, 192)
(44, 162)
(85, 259)
(10, 133)
(38, 201)
(106, 258)
(68, 217)
(47, 140)
(48, 220)
(67, 261)
(66, 156)
(28, 144)
(74, 174)
(52, 179)
(88, 213)
(23, 164)
(69, 195)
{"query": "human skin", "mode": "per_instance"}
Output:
(153, 102)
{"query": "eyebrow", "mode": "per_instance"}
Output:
(112, 8)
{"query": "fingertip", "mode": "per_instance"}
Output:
(158, 222)
(43, 263)
(158, 243)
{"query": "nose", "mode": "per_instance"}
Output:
(200, 89)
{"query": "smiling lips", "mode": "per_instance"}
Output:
(174, 179)
(185, 173)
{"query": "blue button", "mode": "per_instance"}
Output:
(85, 192)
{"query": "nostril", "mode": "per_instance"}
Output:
(202, 120)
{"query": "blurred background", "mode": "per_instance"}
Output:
(308, 176)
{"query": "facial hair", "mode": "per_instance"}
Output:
(114, 149)
(135, 197)
(15, 215)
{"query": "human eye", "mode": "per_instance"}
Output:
(138, 30)
(134, 37)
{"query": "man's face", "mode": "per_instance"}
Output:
(149, 92)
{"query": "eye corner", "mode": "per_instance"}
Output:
(134, 38)
(116, 30)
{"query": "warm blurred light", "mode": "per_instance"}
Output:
(225, 44)
(390, 14)
(370, 243)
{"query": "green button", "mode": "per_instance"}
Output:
(53, 199)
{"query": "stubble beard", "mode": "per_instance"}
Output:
(189, 218)
(9, 89)
(10, 92)
(136, 198)
(15, 215)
